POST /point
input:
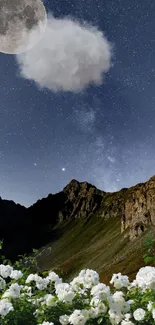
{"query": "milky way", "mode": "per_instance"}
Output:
(104, 134)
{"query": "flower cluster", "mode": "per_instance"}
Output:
(46, 300)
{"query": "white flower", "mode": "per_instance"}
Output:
(85, 313)
(92, 312)
(118, 298)
(64, 292)
(5, 270)
(153, 313)
(90, 278)
(115, 317)
(41, 283)
(64, 319)
(76, 283)
(149, 306)
(101, 291)
(62, 286)
(119, 280)
(126, 307)
(31, 277)
(114, 308)
(53, 277)
(139, 314)
(101, 308)
(145, 277)
(66, 296)
(13, 291)
(15, 274)
(87, 278)
(117, 301)
(132, 285)
(50, 300)
(82, 273)
(5, 307)
(94, 301)
(127, 322)
(127, 316)
(77, 318)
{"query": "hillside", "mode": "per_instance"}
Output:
(83, 227)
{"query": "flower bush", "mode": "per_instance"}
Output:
(31, 299)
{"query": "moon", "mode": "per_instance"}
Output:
(22, 25)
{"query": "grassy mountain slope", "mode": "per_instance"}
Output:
(83, 227)
(98, 245)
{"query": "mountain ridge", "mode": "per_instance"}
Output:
(78, 221)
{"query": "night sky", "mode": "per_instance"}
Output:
(104, 134)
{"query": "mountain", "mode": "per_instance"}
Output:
(83, 227)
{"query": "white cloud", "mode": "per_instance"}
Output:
(70, 56)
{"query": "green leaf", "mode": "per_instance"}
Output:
(148, 259)
(149, 241)
(35, 250)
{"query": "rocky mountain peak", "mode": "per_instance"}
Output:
(82, 199)
(72, 187)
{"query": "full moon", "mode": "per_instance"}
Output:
(22, 25)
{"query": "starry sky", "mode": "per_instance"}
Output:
(104, 134)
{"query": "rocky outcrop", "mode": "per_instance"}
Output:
(82, 198)
(139, 208)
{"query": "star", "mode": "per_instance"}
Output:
(63, 169)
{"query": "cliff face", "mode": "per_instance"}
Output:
(81, 221)
(139, 208)
(135, 206)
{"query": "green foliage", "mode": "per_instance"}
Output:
(22, 314)
(28, 264)
(149, 256)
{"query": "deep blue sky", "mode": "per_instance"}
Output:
(106, 134)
